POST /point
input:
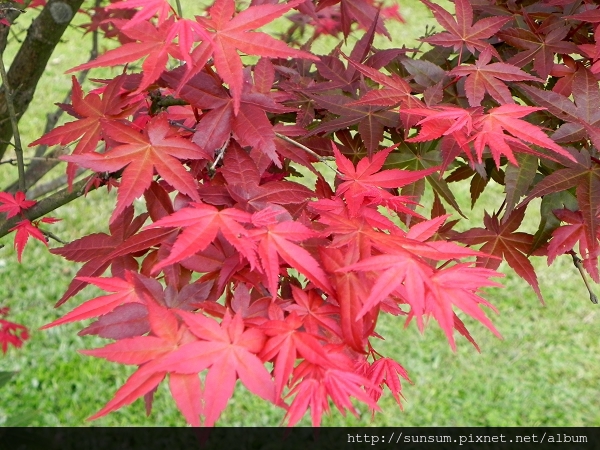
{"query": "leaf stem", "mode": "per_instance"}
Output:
(179, 9)
(578, 263)
(320, 158)
(51, 235)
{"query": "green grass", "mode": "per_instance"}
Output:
(544, 371)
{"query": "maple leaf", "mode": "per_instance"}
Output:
(155, 45)
(386, 371)
(11, 332)
(149, 9)
(250, 127)
(92, 112)
(461, 31)
(489, 131)
(395, 89)
(565, 238)
(540, 46)
(565, 73)
(351, 289)
(363, 11)
(149, 352)
(127, 320)
(420, 286)
(332, 69)
(371, 120)
(277, 239)
(243, 183)
(584, 175)
(484, 77)
(315, 385)
(582, 115)
(286, 343)
(502, 240)
(459, 285)
(24, 229)
(317, 314)
(367, 180)
(228, 351)
(228, 35)
(454, 125)
(141, 154)
(202, 223)
(101, 250)
(13, 205)
(124, 293)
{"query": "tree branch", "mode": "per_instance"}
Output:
(47, 205)
(8, 94)
(31, 60)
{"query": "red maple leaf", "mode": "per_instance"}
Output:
(582, 115)
(10, 332)
(250, 126)
(148, 9)
(386, 371)
(395, 89)
(584, 175)
(371, 120)
(155, 45)
(276, 236)
(351, 290)
(460, 30)
(24, 229)
(484, 77)
(315, 384)
(229, 34)
(149, 352)
(368, 181)
(141, 154)
(92, 112)
(540, 45)
(124, 293)
(362, 11)
(501, 240)
(565, 237)
(317, 315)
(489, 132)
(244, 183)
(101, 250)
(286, 343)
(13, 205)
(228, 350)
(201, 224)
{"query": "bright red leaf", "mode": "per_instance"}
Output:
(141, 154)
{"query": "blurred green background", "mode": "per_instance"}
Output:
(544, 371)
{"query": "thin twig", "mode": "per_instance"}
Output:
(30, 158)
(299, 145)
(14, 124)
(320, 158)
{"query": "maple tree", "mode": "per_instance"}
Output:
(235, 269)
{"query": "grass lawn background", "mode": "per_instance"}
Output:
(544, 371)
